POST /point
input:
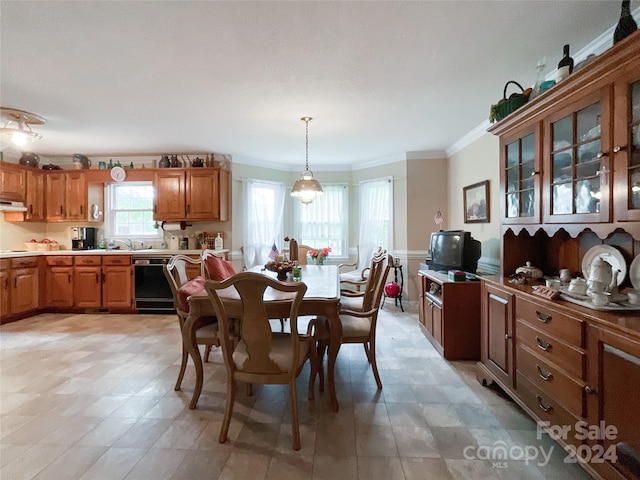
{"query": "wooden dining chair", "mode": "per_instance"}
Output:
(354, 275)
(182, 287)
(262, 356)
(353, 298)
(359, 325)
(302, 254)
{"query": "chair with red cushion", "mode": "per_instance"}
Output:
(182, 287)
(215, 266)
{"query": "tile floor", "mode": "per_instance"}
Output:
(91, 397)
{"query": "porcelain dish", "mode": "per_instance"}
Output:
(610, 255)
(634, 273)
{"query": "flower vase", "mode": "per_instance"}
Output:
(282, 275)
(320, 260)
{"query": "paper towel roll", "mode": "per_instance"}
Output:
(171, 226)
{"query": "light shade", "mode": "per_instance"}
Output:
(306, 188)
(16, 126)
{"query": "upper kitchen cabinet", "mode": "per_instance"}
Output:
(626, 147)
(66, 196)
(12, 182)
(33, 196)
(192, 194)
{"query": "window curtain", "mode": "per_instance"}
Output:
(264, 203)
(376, 215)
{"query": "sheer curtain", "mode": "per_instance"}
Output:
(376, 215)
(264, 207)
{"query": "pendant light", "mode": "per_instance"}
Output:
(16, 126)
(306, 188)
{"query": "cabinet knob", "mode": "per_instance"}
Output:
(600, 155)
(588, 389)
(617, 148)
(507, 336)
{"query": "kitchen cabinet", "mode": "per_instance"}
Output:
(497, 336)
(20, 281)
(450, 315)
(87, 281)
(34, 197)
(66, 196)
(117, 278)
(192, 194)
(59, 282)
(12, 182)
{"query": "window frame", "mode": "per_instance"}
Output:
(111, 211)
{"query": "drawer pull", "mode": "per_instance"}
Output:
(544, 406)
(588, 389)
(546, 376)
(544, 345)
(543, 317)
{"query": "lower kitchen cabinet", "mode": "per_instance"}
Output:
(117, 282)
(20, 281)
(87, 281)
(59, 281)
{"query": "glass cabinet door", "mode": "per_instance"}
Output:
(521, 182)
(626, 150)
(578, 174)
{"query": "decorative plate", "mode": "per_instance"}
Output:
(610, 255)
(634, 273)
(118, 174)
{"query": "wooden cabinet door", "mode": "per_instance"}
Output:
(497, 333)
(55, 194)
(12, 182)
(203, 195)
(60, 287)
(577, 172)
(5, 293)
(117, 287)
(35, 196)
(87, 286)
(76, 197)
(422, 301)
(626, 147)
(24, 291)
(520, 166)
(436, 319)
(612, 392)
(170, 196)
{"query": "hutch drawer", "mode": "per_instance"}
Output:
(551, 321)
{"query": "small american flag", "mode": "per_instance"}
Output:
(273, 254)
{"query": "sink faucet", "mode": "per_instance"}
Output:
(126, 241)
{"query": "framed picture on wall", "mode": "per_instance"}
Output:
(476, 202)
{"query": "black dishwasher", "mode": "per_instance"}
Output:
(152, 291)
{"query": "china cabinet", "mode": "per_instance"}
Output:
(570, 181)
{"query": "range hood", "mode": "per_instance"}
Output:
(6, 206)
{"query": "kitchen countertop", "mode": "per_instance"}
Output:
(137, 253)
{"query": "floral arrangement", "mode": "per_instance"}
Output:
(319, 254)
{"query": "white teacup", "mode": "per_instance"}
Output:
(553, 283)
(599, 299)
(578, 286)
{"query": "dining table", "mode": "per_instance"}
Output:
(322, 298)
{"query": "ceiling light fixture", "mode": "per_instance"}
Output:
(306, 188)
(16, 126)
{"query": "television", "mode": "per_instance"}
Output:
(453, 250)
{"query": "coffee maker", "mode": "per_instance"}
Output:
(83, 238)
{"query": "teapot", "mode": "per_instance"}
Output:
(602, 272)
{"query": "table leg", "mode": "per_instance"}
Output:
(335, 331)
(189, 340)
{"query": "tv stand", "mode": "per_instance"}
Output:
(450, 315)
